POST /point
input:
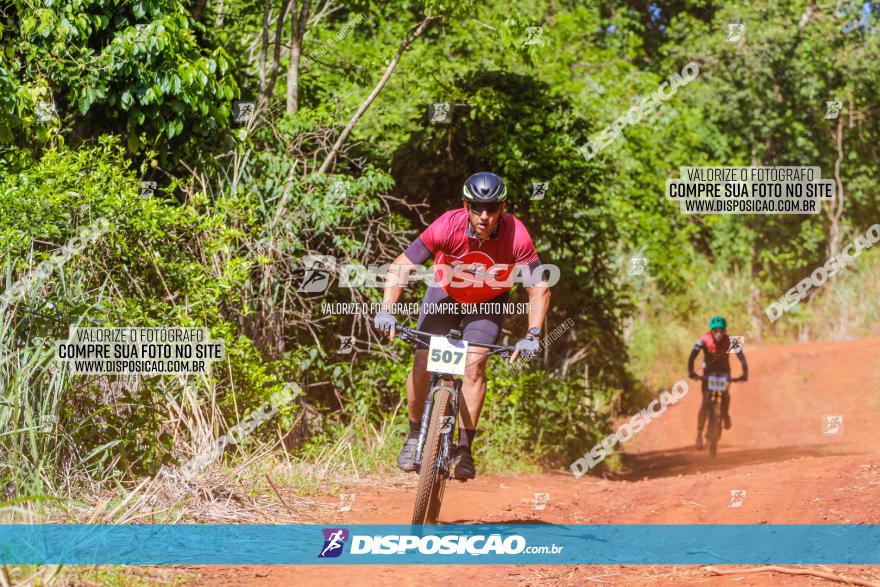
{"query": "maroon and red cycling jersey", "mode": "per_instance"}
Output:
(716, 359)
(469, 270)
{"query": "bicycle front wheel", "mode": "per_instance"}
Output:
(429, 492)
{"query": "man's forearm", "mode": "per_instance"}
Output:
(691, 360)
(391, 294)
(539, 304)
(396, 276)
(742, 361)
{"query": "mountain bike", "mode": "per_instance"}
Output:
(718, 385)
(447, 358)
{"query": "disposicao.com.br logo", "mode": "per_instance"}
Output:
(451, 544)
(334, 540)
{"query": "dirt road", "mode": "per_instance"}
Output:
(776, 452)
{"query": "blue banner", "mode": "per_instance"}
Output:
(639, 544)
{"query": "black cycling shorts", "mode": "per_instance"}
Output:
(479, 322)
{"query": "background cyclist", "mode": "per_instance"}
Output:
(716, 361)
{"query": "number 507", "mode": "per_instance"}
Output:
(448, 357)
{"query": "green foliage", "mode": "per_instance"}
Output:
(143, 271)
(135, 69)
(537, 419)
(773, 87)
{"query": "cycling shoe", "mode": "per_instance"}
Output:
(464, 465)
(407, 455)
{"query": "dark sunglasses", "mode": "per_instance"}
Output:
(491, 208)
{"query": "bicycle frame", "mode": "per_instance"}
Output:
(717, 385)
(442, 381)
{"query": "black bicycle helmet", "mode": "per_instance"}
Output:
(484, 187)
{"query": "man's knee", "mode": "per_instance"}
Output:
(475, 372)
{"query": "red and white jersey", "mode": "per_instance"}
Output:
(467, 269)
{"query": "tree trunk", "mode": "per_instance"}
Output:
(276, 54)
(297, 32)
(835, 208)
(264, 49)
(293, 72)
(198, 8)
(415, 32)
(757, 312)
(587, 378)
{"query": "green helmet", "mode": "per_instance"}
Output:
(718, 322)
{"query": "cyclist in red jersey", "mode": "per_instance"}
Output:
(715, 345)
(475, 249)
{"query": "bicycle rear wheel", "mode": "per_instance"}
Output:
(432, 480)
(714, 428)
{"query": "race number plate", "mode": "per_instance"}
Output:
(718, 383)
(447, 356)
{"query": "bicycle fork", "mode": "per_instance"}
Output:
(438, 382)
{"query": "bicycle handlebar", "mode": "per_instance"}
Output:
(703, 377)
(416, 336)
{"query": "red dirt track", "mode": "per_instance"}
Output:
(776, 451)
